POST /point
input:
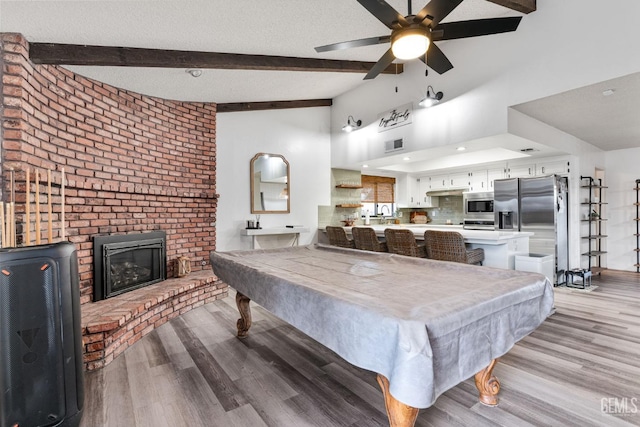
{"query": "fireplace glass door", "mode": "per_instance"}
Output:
(128, 262)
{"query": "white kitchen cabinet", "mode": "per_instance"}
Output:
(426, 201)
(539, 168)
(459, 180)
(493, 174)
(482, 180)
(418, 194)
(414, 193)
(558, 167)
(478, 181)
(521, 171)
(429, 202)
(449, 180)
(439, 182)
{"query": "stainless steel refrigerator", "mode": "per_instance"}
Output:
(538, 205)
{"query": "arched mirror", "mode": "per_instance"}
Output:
(269, 184)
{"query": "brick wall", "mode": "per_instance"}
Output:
(132, 162)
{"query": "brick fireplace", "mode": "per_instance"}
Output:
(133, 164)
(124, 262)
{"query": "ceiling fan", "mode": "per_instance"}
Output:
(412, 35)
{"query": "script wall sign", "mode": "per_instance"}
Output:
(396, 117)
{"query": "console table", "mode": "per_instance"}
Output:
(276, 237)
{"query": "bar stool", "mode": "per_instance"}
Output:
(338, 237)
(449, 246)
(365, 239)
(402, 242)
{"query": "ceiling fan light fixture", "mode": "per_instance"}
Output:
(409, 43)
(352, 124)
(432, 98)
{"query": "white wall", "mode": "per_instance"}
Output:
(621, 173)
(302, 136)
(585, 158)
(551, 52)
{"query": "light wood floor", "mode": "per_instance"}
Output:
(193, 372)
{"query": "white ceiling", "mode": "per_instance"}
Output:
(274, 27)
(608, 120)
(288, 28)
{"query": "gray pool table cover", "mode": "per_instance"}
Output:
(425, 325)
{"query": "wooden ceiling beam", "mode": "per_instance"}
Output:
(70, 54)
(524, 6)
(271, 105)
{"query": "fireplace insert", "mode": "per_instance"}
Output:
(126, 262)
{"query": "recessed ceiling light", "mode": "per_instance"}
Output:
(195, 72)
(365, 166)
(608, 92)
(406, 158)
(461, 148)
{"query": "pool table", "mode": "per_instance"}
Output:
(423, 326)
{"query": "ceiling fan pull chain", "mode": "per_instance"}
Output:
(426, 69)
(397, 75)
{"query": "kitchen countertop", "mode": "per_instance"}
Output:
(487, 237)
(500, 247)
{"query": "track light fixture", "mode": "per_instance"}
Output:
(432, 97)
(351, 124)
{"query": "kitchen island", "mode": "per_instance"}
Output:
(500, 247)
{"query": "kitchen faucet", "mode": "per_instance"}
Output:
(382, 210)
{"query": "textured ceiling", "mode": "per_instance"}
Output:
(608, 120)
(274, 27)
(289, 28)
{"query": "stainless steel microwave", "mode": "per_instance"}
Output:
(478, 205)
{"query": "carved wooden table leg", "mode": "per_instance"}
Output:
(488, 385)
(400, 415)
(244, 323)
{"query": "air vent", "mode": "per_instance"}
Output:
(528, 150)
(393, 145)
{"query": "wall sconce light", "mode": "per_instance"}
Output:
(432, 98)
(351, 124)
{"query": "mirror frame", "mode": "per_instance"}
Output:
(253, 189)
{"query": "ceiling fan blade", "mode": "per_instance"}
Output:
(435, 11)
(474, 28)
(384, 12)
(437, 60)
(354, 43)
(379, 67)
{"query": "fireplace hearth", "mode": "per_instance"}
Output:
(126, 262)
